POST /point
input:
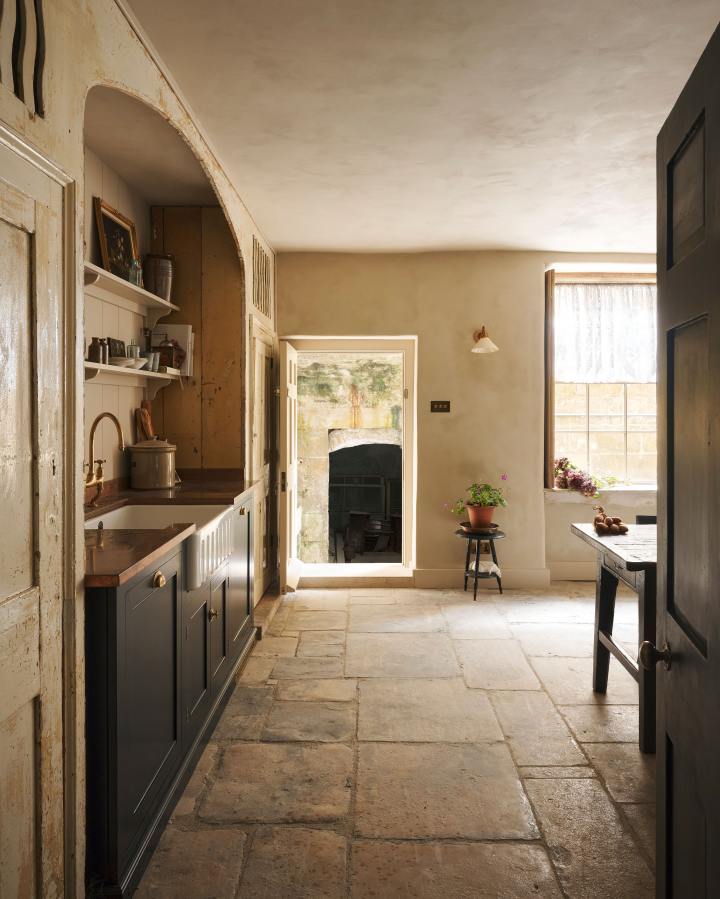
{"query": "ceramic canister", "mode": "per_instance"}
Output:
(152, 465)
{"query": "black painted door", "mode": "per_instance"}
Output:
(218, 618)
(688, 743)
(240, 598)
(148, 705)
(195, 662)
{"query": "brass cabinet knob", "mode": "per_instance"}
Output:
(159, 579)
(649, 655)
(241, 510)
(212, 614)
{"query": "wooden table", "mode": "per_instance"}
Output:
(632, 559)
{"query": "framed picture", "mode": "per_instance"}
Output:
(118, 240)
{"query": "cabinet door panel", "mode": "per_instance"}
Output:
(241, 578)
(148, 701)
(218, 628)
(195, 662)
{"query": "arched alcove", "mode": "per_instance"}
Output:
(139, 165)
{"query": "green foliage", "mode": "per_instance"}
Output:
(321, 380)
(376, 380)
(480, 495)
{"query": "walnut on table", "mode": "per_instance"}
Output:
(606, 525)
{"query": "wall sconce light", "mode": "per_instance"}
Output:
(483, 344)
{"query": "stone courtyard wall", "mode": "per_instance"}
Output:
(359, 391)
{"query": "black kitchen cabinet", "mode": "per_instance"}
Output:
(159, 665)
(133, 712)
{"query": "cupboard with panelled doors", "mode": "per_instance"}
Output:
(160, 661)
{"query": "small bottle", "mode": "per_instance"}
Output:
(136, 276)
(104, 352)
(133, 350)
(95, 350)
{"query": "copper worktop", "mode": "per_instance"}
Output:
(198, 489)
(124, 553)
(113, 557)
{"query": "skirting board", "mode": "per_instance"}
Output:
(361, 574)
(328, 582)
(429, 578)
(573, 571)
(512, 578)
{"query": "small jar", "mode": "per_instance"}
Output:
(104, 352)
(133, 350)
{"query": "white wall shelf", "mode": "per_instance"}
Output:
(151, 381)
(111, 289)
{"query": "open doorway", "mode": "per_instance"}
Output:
(351, 430)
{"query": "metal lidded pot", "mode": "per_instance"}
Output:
(152, 465)
(158, 274)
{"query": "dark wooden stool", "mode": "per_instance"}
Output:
(478, 537)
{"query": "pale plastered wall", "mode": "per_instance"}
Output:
(91, 42)
(496, 419)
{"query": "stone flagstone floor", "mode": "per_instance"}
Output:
(412, 743)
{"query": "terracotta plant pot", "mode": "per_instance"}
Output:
(480, 516)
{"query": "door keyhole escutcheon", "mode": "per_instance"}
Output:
(649, 655)
(212, 614)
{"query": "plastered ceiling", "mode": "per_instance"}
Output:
(146, 151)
(414, 125)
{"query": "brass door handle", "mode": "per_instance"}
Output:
(212, 614)
(649, 655)
(159, 579)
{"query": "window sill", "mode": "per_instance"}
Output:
(623, 493)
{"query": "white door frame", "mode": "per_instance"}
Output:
(407, 346)
(262, 474)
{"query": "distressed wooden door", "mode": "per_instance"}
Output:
(688, 632)
(31, 529)
(289, 565)
(264, 457)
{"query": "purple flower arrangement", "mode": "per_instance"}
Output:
(569, 477)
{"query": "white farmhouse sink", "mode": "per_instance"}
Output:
(207, 548)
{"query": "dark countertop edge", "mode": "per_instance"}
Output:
(201, 493)
(122, 577)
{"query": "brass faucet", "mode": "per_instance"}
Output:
(97, 478)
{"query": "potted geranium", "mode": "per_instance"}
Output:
(482, 500)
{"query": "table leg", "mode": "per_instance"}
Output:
(646, 681)
(477, 568)
(467, 563)
(605, 590)
(494, 558)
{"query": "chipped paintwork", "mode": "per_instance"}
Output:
(89, 42)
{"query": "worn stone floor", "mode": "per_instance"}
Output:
(412, 743)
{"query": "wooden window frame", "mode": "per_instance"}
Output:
(553, 277)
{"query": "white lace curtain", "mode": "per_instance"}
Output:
(605, 333)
